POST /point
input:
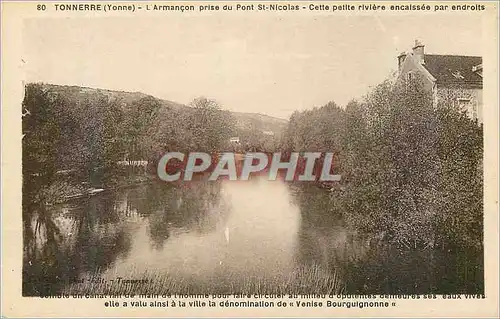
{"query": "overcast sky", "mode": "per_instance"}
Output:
(261, 63)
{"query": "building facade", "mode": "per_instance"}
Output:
(456, 78)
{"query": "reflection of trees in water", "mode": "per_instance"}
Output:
(101, 235)
(365, 264)
(370, 265)
(324, 240)
(191, 206)
(62, 243)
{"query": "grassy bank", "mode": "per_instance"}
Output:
(305, 280)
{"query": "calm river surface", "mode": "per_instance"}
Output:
(225, 231)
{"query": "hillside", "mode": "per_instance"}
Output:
(244, 120)
(265, 122)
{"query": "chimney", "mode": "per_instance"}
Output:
(401, 59)
(418, 52)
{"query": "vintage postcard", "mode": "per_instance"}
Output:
(250, 159)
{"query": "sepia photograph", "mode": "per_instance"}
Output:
(253, 151)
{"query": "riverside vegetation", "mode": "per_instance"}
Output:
(412, 177)
(411, 188)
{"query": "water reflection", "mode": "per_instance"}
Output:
(239, 231)
(323, 236)
(66, 242)
(220, 232)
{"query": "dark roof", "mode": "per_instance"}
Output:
(453, 69)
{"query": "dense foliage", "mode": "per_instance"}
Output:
(62, 132)
(412, 173)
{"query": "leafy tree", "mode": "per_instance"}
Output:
(209, 126)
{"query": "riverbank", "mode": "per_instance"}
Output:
(304, 280)
(62, 191)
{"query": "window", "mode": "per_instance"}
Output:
(478, 69)
(410, 76)
(463, 104)
(467, 105)
(457, 75)
(474, 111)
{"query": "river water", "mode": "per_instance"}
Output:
(213, 235)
